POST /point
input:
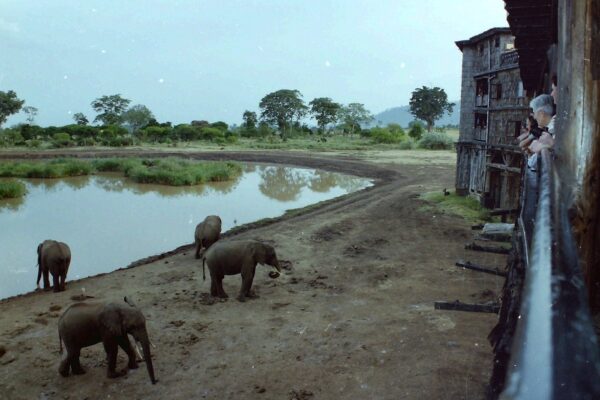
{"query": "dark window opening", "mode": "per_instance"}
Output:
(497, 41)
(480, 121)
(517, 127)
(481, 49)
(498, 91)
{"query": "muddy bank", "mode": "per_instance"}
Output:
(351, 317)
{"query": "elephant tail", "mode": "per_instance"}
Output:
(203, 273)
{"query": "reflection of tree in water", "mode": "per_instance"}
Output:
(11, 204)
(351, 183)
(322, 181)
(121, 184)
(281, 183)
(77, 183)
(225, 186)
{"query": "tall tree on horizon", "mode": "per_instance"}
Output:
(281, 107)
(429, 104)
(9, 104)
(110, 108)
(325, 111)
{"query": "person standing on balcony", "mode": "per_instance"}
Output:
(543, 110)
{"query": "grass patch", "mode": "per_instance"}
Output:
(463, 206)
(12, 189)
(168, 171)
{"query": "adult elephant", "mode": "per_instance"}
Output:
(85, 324)
(207, 232)
(235, 257)
(54, 258)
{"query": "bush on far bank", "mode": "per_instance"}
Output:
(436, 141)
(12, 189)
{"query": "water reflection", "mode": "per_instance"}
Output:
(109, 221)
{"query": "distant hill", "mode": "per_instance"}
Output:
(402, 116)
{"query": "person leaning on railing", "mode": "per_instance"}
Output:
(543, 136)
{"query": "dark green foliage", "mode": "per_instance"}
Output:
(80, 119)
(280, 108)
(387, 136)
(353, 115)
(9, 104)
(220, 125)
(436, 141)
(155, 134)
(12, 189)
(110, 109)
(61, 139)
(250, 121)
(136, 117)
(416, 130)
(429, 104)
(11, 137)
(325, 111)
(30, 131)
(186, 132)
(210, 133)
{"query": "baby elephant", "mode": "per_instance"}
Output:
(207, 232)
(234, 257)
(85, 324)
(53, 257)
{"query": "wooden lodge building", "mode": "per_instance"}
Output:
(494, 106)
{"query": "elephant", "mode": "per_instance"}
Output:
(207, 232)
(85, 324)
(53, 257)
(234, 257)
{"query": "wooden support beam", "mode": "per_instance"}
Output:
(503, 211)
(503, 167)
(480, 268)
(488, 249)
(458, 306)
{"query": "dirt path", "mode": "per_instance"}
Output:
(351, 318)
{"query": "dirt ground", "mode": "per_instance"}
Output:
(351, 317)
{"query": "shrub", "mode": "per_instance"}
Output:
(383, 135)
(186, 132)
(33, 143)
(209, 133)
(61, 139)
(86, 141)
(76, 168)
(436, 141)
(408, 144)
(416, 130)
(155, 134)
(13, 137)
(220, 125)
(12, 189)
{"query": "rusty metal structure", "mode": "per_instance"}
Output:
(545, 344)
(494, 106)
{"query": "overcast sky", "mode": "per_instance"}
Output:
(213, 60)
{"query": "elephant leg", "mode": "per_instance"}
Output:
(56, 282)
(198, 247)
(111, 348)
(63, 369)
(247, 278)
(46, 279)
(220, 290)
(125, 344)
(63, 277)
(75, 365)
(214, 291)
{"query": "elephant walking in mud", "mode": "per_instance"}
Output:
(235, 257)
(54, 258)
(85, 324)
(207, 232)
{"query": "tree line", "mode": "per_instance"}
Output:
(282, 112)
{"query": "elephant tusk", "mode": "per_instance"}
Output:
(152, 344)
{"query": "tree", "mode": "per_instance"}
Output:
(137, 117)
(355, 114)
(250, 120)
(9, 104)
(31, 113)
(110, 108)
(281, 107)
(416, 129)
(325, 111)
(429, 104)
(80, 119)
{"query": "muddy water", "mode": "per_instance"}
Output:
(109, 221)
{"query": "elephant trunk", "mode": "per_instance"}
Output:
(147, 356)
(277, 267)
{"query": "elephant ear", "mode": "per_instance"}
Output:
(111, 319)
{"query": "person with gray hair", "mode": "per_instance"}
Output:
(543, 108)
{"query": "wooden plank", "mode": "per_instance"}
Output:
(459, 306)
(488, 249)
(503, 167)
(503, 211)
(480, 268)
